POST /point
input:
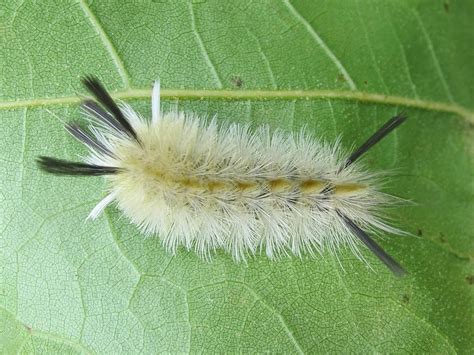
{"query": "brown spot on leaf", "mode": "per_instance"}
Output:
(341, 77)
(237, 81)
(470, 279)
(446, 6)
(442, 239)
(419, 232)
(405, 298)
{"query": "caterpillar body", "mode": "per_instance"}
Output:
(206, 185)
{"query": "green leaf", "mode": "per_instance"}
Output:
(337, 67)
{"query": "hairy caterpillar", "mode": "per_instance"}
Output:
(206, 185)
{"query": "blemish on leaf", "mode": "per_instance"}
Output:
(237, 80)
(419, 232)
(442, 238)
(405, 298)
(446, 6)
(341, 77)
(470, 279)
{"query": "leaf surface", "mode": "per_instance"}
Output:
(339, 68)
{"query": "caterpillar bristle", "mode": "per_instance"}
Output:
(388, 127)
(103, 97)
(101, 116)
(66, 167)
(84, 137)
(393, 265)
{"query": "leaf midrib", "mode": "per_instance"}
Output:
(257, 95)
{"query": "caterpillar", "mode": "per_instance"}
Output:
(209, 185)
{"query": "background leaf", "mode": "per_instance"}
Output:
(337, 67)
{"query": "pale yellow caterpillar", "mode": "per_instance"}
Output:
(206, 185)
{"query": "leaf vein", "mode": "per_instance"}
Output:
(404, 58)
(79, 347)
(322, 44)
(264, 59)
(429, 325)
(117, 60)
(348, 305)
(203, 47)
(113, 232)
(184, 94)
(434, 56)
(371, 50)
(287, 330)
